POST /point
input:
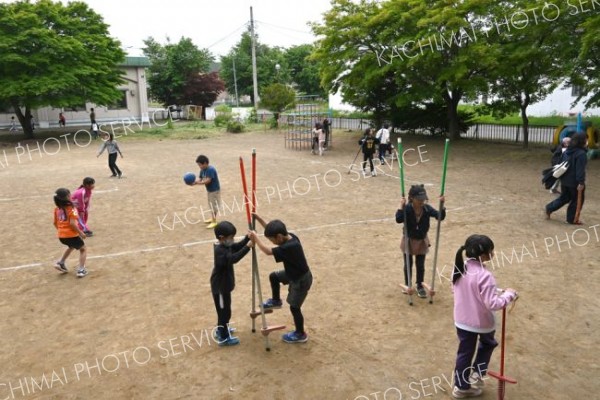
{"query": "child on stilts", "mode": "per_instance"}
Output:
(476, 297)
(418, 215)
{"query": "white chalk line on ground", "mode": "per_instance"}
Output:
(190, 244)
(115, 189)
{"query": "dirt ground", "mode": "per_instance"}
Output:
(138, 326)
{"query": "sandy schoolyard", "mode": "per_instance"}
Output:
(139, 325)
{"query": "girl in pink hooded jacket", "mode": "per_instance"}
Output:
(476, 297)
(81, 200)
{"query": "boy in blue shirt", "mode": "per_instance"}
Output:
(209, 178)
(295, 272)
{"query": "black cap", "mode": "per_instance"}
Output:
(417, 192)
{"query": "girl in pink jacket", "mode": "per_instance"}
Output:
(81, 198)
(476, 297)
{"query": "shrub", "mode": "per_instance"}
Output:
(235, 127)
(222, 119)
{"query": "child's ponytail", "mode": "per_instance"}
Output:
(475, 246)
(459, 265)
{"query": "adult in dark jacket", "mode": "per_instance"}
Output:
(573, 180)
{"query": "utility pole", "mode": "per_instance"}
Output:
(254, 77)
(237, 99)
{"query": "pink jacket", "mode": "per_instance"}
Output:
(81, 199)
(476, 299)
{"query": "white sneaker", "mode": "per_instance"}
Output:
(373, 173)
(364, 174)
(81, 272)
(476, 380)
(464, 393)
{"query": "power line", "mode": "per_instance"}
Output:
(283, 27)
(229, 35)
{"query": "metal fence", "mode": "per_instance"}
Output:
(510, 133)
(487, 132)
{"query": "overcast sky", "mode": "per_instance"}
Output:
(215, 24)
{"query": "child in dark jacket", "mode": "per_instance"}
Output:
(368, 144)
(222, 280)
(418, 215)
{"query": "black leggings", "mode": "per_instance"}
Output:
(112, 164)
(420, 268)
(223, 313)
(370, 158)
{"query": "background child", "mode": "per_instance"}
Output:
(475, 299)
(322, 140)
(113, 147)
(418, 215)
(61, 120)
(69, 234)
(81, 198)
(295, 272)
(367, 144)
(317, 131)
(210, 179)
(222, 278)
(383, 135)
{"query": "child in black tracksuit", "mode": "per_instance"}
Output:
(417, 224)
(222, 279)
(367, 144)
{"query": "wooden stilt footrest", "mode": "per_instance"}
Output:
(269, 329)
(254, 314)
(430, 291)
(407, 290)
(501, 377)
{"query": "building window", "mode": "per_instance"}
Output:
(120, 103)
(576, 91)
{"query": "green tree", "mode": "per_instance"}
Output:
(586, 73)
(278, 97)
(172, 66)
(304, 72)
(424, 51)
(534, 57)
(267, 59)
(55, 55)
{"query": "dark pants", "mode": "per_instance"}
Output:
(296, 295)
(420, 259)
(223, 313)
(568, 195)
(383, 147)
(465, 365)
(370, 158)
(112, 164)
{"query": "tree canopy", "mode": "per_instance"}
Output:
(278, 97)
(57, 55)
(385, 56)
(174, 67)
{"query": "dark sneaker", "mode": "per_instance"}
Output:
(230, 341)
(421, 292)
(295, 337)
(60, 266)
(81, 272)
(272, 303)
(88, 233)
(120, 175)
(464, 393)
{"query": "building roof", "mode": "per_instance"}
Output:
(135, 62)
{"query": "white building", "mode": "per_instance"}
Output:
(133, 103)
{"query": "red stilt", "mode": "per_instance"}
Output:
(502, 379)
